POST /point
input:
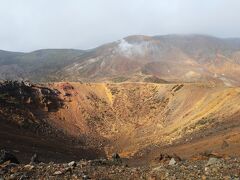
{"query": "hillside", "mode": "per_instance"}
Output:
(37, 65)
(169, 58)
(174, 58)
(25, 128)
(132, 119)
(166, 104)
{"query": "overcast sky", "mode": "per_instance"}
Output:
(27, 25)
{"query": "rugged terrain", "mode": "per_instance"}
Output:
(216, 169)
(37, 65)
(174, 58)
(132, 119)
(25, 128)
(168, 105)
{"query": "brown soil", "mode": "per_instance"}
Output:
(129, 117)
(139, 120)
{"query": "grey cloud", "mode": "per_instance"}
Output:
(29, 24)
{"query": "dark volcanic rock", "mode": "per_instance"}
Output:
(226, 169)
(116, 158)
(26, 94)
(166, 158)
(34, 159)
(7, 156)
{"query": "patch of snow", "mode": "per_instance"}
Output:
(74, 67)
(93, 60)
(192, 74)
(80, 67)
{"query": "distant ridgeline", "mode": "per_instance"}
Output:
(171, 58)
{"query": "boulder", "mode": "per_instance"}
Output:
(172, 162)
(166, 158)
(224, 144)
(34, 159)
(72, 164)
(85, 177)
(7, 156)
(28, 167)
(212, 161)
(116, 157)
(57, 173)
(176, 157)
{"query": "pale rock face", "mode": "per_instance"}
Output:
(79, 66)
(75, 66)
(192, 74)
(103, 64)
(227, 82)
(212, 161)
(169, 58)
(172, 162)
(93, 60)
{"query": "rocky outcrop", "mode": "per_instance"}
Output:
(8, 157)
(22, 94)
(223, 169)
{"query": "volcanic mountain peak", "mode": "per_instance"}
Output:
(176, 58)
(137, 120)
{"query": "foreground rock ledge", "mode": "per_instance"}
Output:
(105, 169)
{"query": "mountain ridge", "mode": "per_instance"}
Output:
(186, 58)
